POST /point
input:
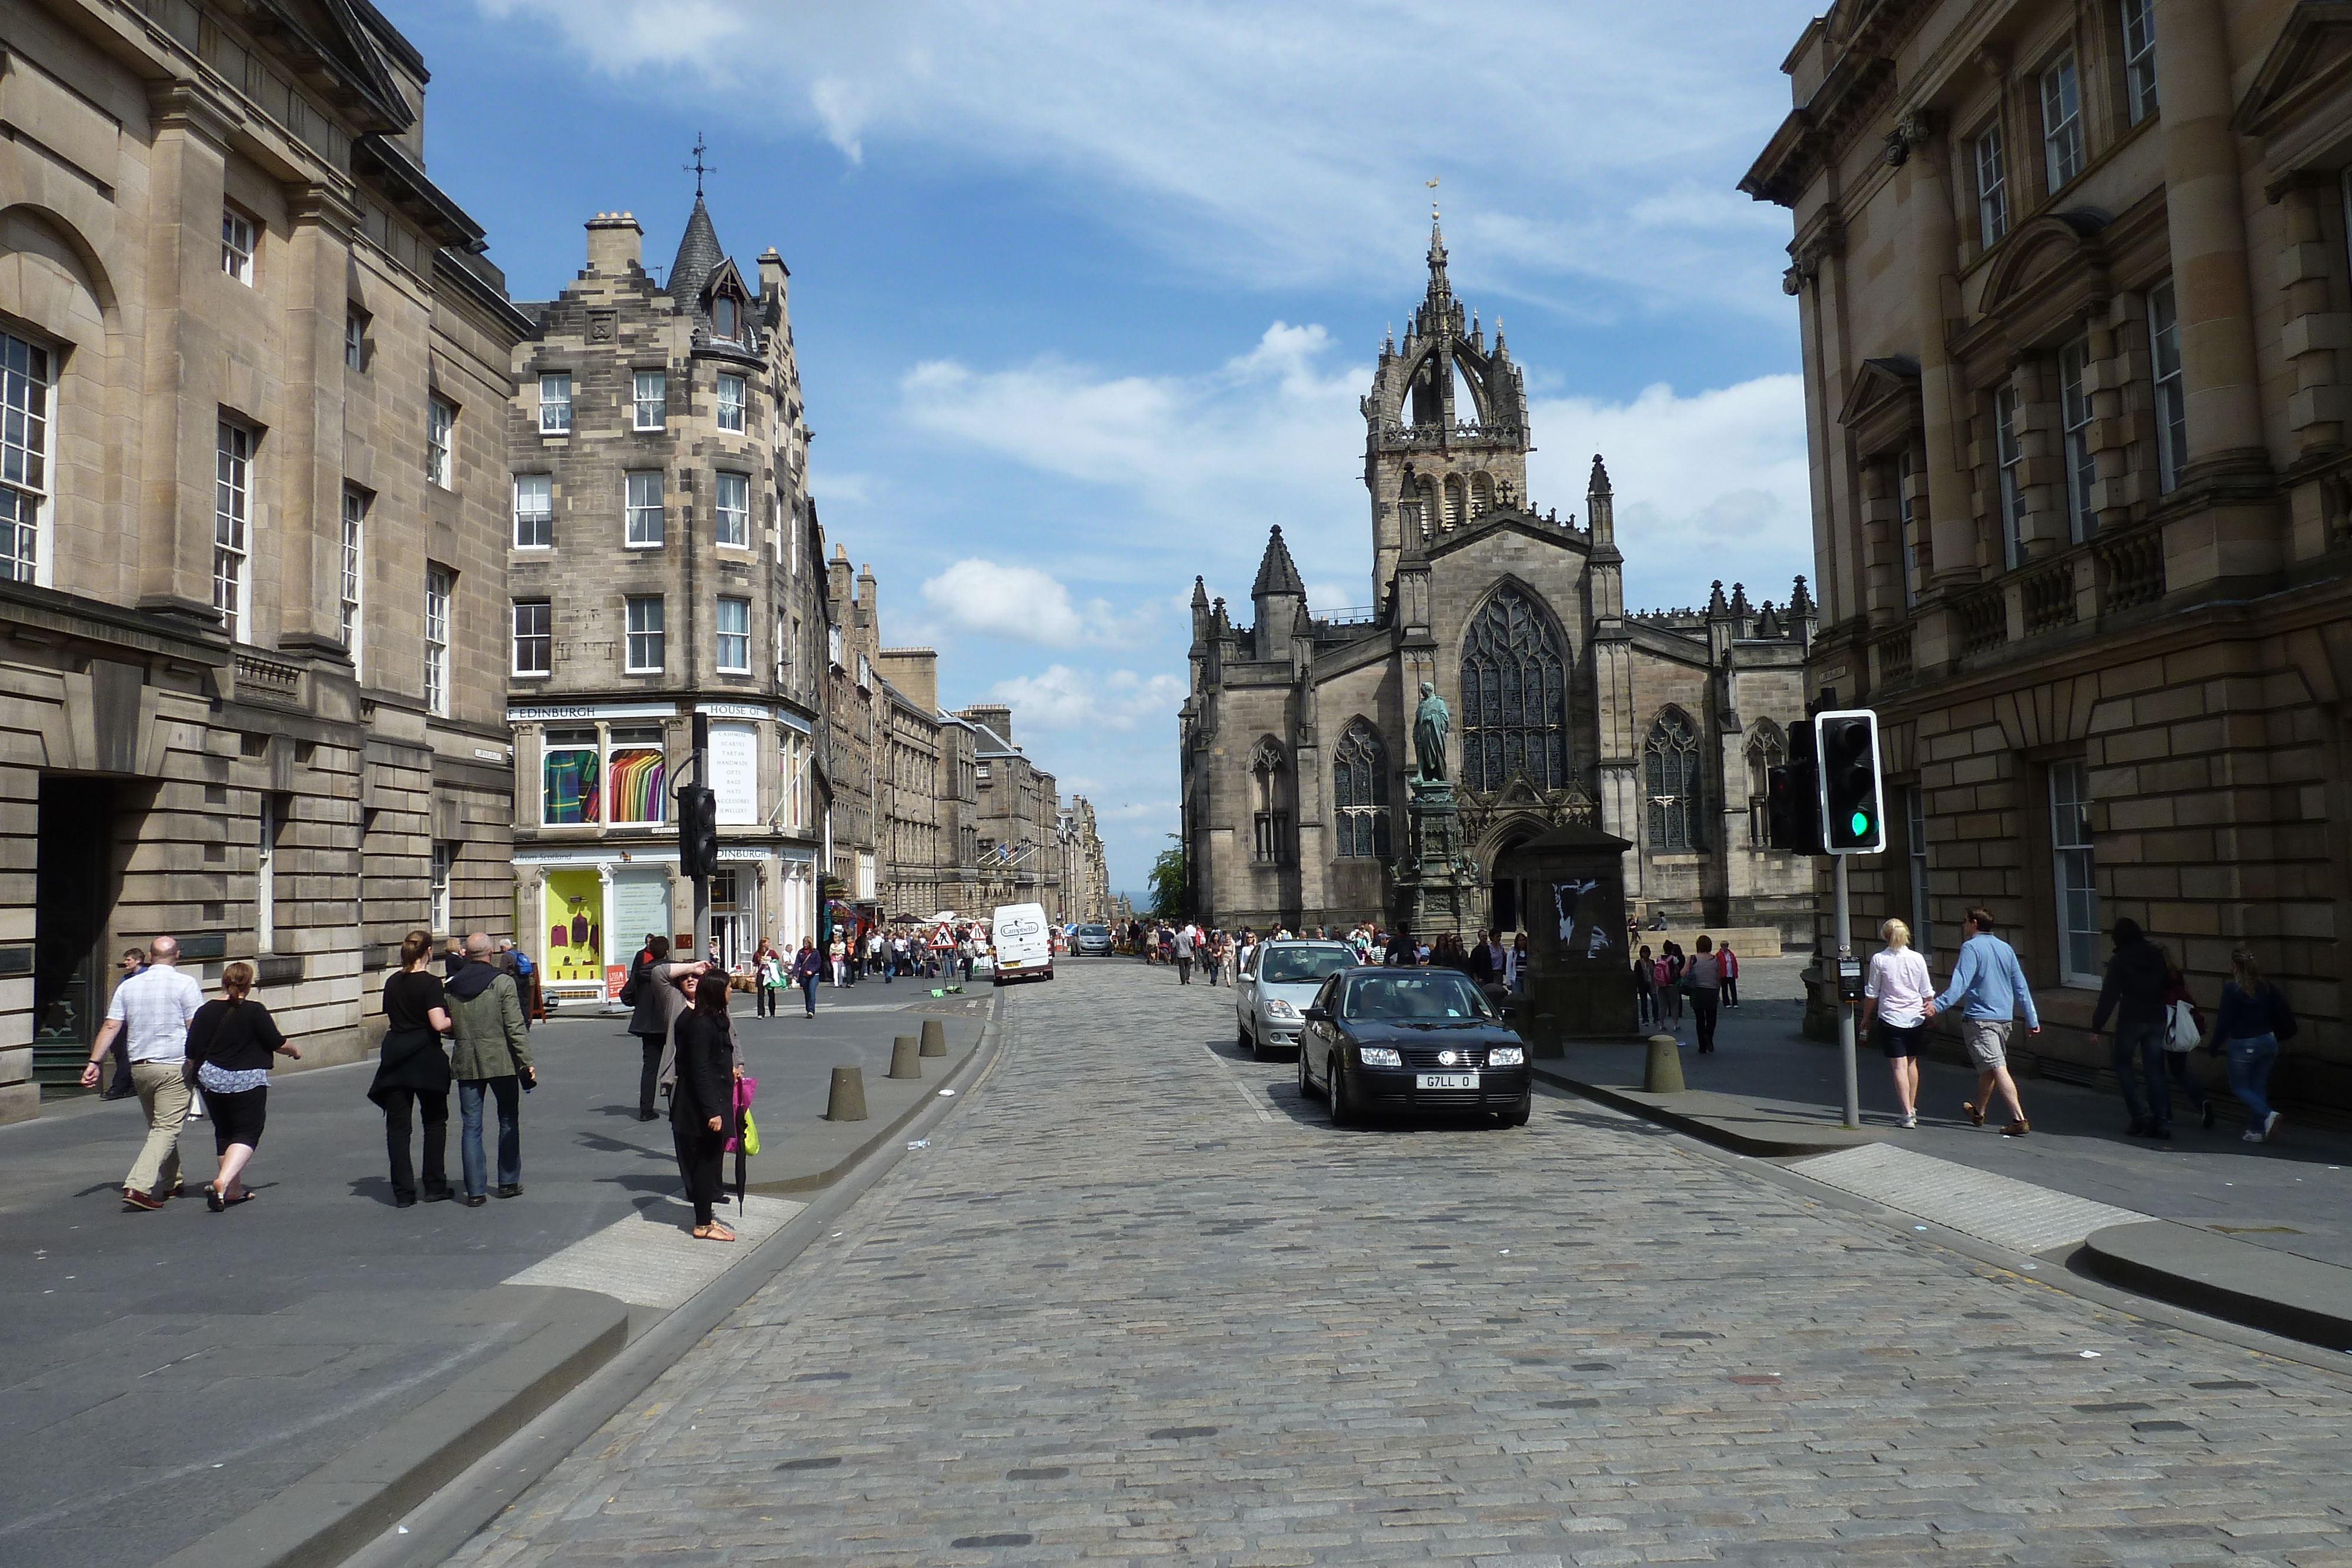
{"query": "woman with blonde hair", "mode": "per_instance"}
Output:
(1899, 989)
(230, 1042)
(2254, 1016)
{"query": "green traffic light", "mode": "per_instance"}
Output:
(1861, 824)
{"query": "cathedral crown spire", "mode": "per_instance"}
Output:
(1441, 289)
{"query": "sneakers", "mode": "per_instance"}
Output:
(132, 1199)
(2017, 1129)
(2250, 1137)
(511, 1189)
(1973, 1112)
(1910, 1119)
(2270, 1126)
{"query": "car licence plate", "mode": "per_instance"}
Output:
(1446, 1081)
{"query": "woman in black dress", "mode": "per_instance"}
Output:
(230, 1042)
(702, 1111)
(414, 1070)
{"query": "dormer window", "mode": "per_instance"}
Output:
(723, 315)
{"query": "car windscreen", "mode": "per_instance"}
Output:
(1434, 994)
(1094, 930)
(1302, 966)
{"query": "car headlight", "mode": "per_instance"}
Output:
(1379, 1056)
(1276, 1008)
(1508, 1056)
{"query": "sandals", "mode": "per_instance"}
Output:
(217, 1203)
(713, 1232)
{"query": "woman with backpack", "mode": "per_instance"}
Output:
(1670, 980)
(2254, 1016)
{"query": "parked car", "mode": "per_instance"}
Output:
(1093, 942)
(1412, 1039)
(1272, 990)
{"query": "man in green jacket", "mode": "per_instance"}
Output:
(491, 1052)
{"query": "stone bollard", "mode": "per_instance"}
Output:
(1663, 1072)
(847, 1101)
(935, 1038)
(903, 1062)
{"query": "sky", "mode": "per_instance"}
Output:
(1085, 291)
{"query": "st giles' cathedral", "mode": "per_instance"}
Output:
(1653, 726)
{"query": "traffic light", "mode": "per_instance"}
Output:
(1853, 816)
(1792, 801)
(698, 831)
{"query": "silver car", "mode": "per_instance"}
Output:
(1093, 942)
(1275, 989)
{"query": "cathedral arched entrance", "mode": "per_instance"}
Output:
(1507, 896)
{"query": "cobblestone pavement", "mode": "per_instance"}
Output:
(1139, 1304)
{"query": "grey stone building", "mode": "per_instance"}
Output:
(251, 497)
(1567, 708)
(1015, 817)
(663, 559)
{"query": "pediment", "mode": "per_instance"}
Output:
(724, 277)
(2056, 244)
(328, 43)
(1876, 384)
(1511, 518)
(2310, 62)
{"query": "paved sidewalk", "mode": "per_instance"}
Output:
(172, 1370)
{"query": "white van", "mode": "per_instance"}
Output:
(1025, 944)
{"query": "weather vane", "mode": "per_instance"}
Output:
(697, 167)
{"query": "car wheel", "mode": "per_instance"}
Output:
(1517, 1115)
(1343, 1104)
(1258, 1047)
(1305, 1080)
(1242, 1034)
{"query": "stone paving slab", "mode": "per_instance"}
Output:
(2001, 1210)
(1115, 1314)
(651, 1259)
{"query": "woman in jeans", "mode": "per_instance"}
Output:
(230, 1042)
(1706, 977)
(2251, 1013)
(805, 971)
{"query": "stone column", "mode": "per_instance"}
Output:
(2313, 334)
(2205, 215)
(309, 448)
(1935, 238)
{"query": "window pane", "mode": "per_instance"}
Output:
(570, 794)
(734, 509)
(637, 780)
(554, 404)
(651, 389)
(644, 506)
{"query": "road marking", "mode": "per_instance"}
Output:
(2001, 1210)
(651, 1259)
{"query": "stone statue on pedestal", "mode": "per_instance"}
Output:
(1430, 722)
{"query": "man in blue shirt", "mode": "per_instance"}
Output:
(1989, 987)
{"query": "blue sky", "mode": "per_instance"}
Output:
(1085, 290)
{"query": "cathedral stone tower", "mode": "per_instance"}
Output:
(1446, 427)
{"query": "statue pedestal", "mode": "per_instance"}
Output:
(1437, 885)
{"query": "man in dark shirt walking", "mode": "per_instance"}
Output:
(2139, 977)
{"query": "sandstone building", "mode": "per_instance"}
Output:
(662, 559)
(1567, 708)
(252, 498)
(2076, 307)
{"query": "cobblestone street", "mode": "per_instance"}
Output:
(1139, 1302)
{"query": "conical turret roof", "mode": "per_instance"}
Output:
(698, 255)
(1278, 573)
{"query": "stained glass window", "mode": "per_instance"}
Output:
(1514, 696)
(1670, 769)
(1360, 792)
(570, 796)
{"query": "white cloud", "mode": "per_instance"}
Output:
(1274, 143)
(1062, 698)
(1015, 602)
(1712, 485)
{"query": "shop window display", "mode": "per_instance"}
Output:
(636, 776)
(570, 796)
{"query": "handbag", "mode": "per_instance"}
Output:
(2181, 1032)
(2282, 1020)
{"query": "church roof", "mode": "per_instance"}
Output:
(698, 255)
(1278, 573)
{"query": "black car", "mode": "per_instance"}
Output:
(1412, 1039)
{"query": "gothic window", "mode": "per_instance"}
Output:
(1765, 751)
(1270, 795)
(1671, 770)
(1360, 793)
(1514, 696)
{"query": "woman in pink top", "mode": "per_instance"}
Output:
(1899, 987)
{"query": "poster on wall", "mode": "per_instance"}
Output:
(735, 773)
(575, 908)
(640, 909)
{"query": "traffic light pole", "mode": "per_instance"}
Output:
(702, 874)
(1845, 1008)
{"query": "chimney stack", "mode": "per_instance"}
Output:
(615, 245)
